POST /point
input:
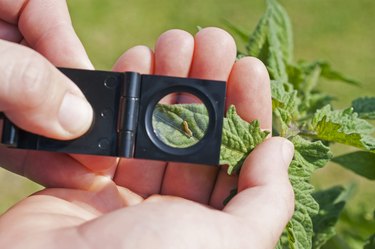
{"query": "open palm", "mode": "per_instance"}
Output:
(101, 202)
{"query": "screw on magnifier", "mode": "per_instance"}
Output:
(103, 144)
(106, 114)
(110, 82)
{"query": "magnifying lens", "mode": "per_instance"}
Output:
(140, 116)
(180, 120)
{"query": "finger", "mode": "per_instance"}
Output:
(103, 165)
(10, 10)
(249, 91)
(173, 54)
(106, 198)
(175, 62)
(223, 188)
(59, 170)
(9, 32)
(54, 36)
(28, 98)
(49, 169)
(38, 215)
(265, 199)
(140, 176)
(214, 55)
(53, 210)
(137, 59)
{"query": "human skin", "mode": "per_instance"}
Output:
(102, 202)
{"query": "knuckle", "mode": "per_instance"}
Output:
(30, 81)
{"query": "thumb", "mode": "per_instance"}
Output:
(265, 196)
(38, 98)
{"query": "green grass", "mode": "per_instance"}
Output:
(340, 31)
(14, 188)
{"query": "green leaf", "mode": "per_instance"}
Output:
(304, 77)
(168, 121)
(329, 73)
(343, 126)
(337, 242)
(360, 162)
(370, 244)
(295, 101)
(309, 156)
(324, 69)
(284, 96)
(237, 31)
(283, 30)
(315, 101)
(365, 107)
(331, 203)
(285, 106)
(272, 40)
(239, 138)
(258, 39)
(362, 219)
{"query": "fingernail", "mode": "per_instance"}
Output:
(75, 114)
(287, 151)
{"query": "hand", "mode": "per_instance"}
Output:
(38, 98)
(147, 204)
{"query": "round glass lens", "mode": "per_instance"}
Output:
(180, 120)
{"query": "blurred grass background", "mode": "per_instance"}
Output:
(340, 31)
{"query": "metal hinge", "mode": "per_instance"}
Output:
(123, 105)
(128, 114)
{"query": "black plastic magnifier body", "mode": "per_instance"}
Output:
(123, 105)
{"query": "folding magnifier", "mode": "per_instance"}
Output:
(134, 112)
